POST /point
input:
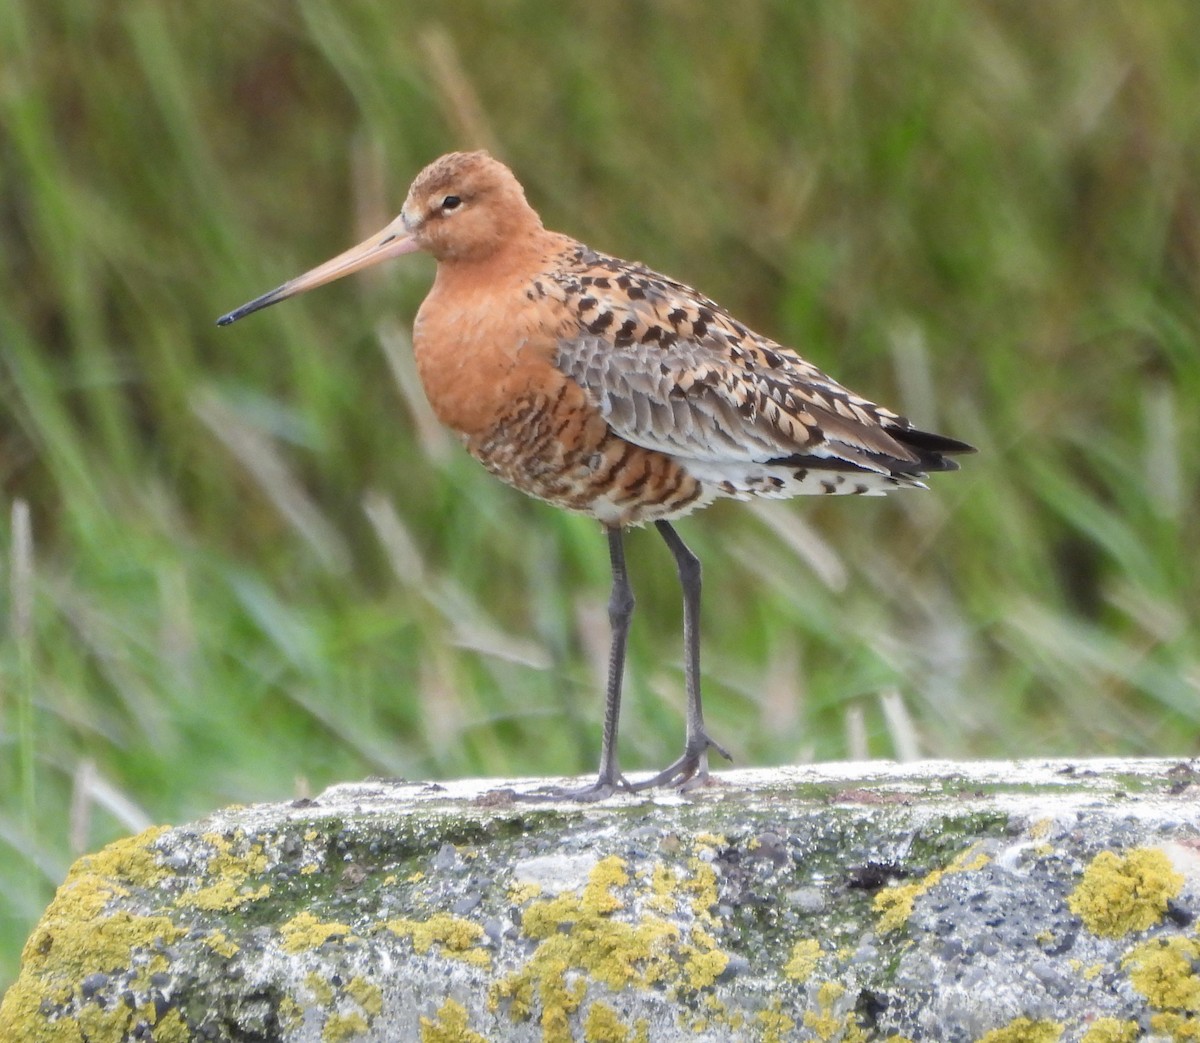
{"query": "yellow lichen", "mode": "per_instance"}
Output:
(1179, 1028)
(172, 1028)
(895, 904)
(718, 1010)
(1041, 828)
(131, 859)
(304, 931)
(664, 883)
(90, 885)
(602, 1024)
(703, 888)
(21, 1015)
(1123, 893)
(702, 968)
(340, 1027)
(367, 995)
(612, 951)
(95, 1022)
(458, 938)
(1025, 1030)
(735, 1019)
(582, 939)
(803, 962)
(450, 1026)
(105, 943)
(229, 867)
(291, 1014)
(830, 992)
(969, 861)
(1161, 970)
(76, 937)
(606, 874)
(519, 894)
(228, 858)
(1110, 1030)
(823, 1024)
(776, 1026)
(221, 945)
(321, 990)
(63, 950)
(829, 1025)
(223, 895)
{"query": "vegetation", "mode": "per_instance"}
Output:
(243, 564)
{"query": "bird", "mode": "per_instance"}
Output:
(610, 390)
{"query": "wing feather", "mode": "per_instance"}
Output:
(682, 376)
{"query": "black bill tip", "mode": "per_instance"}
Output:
(265, 301)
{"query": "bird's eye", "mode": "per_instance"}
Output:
(451, 203)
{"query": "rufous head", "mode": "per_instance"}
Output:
(463, 208)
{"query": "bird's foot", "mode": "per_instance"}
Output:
(691, 770)
(601, 789)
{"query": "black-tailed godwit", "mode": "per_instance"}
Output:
(605, 388)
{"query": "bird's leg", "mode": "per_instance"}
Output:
(692, 768)
(620, 613)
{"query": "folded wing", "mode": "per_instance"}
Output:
(671, 371)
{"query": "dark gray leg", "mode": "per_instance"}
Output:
(620, 614)
(693, 765)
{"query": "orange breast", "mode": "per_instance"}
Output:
(478, 346)
(483, 351)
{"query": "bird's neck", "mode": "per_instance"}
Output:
(517, 259)
(481, 338)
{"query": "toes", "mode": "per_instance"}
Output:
(601, 789)
(713, 744)
(675, 775)
(700, 780)
(663, 778)
(690, 771)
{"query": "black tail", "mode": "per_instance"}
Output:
(931, 452)
(931, 449)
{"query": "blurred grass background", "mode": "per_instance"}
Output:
(242, 564)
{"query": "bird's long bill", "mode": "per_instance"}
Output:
(393, 241)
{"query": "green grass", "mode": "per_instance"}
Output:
(241, 564)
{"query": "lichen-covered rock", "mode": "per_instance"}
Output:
(975, 902)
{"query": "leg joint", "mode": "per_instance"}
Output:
(689, 566)
(620, 603)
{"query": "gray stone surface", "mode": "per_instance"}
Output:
(1009, 903)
